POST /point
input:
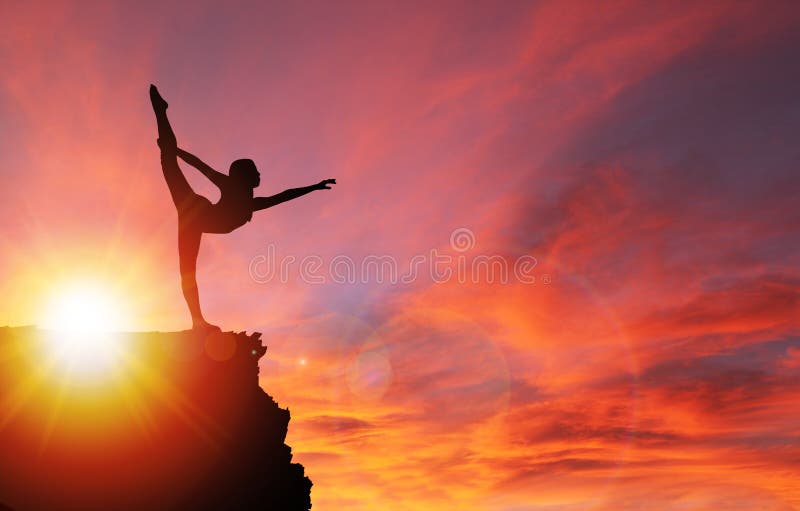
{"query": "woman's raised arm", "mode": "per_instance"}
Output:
(216, 177)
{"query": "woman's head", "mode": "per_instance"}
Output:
(245, 172)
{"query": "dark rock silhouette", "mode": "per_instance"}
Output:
(179, 422)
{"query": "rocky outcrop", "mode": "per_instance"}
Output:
(177, 422)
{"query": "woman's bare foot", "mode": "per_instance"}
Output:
(158, 102)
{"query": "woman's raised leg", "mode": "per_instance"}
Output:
(179, 187)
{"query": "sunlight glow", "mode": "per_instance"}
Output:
(84, 320)
(83, 308)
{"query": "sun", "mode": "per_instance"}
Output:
(84, 307)
(83, 321)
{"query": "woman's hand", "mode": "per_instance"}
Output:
(325, 184)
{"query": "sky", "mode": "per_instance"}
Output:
(559, 270)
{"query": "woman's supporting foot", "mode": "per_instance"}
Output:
(158, 102)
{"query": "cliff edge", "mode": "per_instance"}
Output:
(174, 421)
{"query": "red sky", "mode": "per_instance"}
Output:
(644, 153)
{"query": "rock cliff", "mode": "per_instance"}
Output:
(176, 421)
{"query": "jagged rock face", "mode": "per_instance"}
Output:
(179, 422)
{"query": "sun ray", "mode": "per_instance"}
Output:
(17, 398)
(54, 414)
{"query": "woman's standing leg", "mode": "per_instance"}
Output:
(188, 248)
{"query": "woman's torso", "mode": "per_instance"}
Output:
(234, 209)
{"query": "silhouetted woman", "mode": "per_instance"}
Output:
(196, 214)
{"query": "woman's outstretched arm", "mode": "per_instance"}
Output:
(216, 177)
(260, 203)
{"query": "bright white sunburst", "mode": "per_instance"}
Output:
(83, 321)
